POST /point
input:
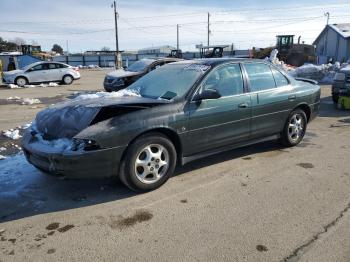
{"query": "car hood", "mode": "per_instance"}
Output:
(67, 119)
(13, 72)
(121, 73)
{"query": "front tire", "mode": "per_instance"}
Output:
(21, 81)
(294, 129)
(148, 163)
(67, 79)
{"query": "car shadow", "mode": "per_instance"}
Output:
(26, 191)
(243, 152)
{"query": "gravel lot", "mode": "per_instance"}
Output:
(259, 203)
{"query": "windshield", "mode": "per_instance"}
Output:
(169, 81)
(140, 66)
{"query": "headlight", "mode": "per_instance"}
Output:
(84, 144)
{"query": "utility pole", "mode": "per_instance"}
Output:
(177, 37)
(67, 47)
(208, 27)
(327, 14)
(325, 45)
(118, 56)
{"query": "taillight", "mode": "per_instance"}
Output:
(76, 69)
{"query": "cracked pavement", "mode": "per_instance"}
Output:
(259, 203)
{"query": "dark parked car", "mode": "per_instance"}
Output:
(122, 78)
(178, 113)
(341, 84)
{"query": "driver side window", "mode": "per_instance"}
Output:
(227, 80)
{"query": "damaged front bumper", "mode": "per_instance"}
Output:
(72, 164)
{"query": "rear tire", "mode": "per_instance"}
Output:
(335, 98)
(148, 163)
(67, 79)
(21, 81)
(294, 129)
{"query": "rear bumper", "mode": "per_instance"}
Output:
(80, 164)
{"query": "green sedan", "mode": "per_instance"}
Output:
(175, 114)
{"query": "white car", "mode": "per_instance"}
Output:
(41, 72)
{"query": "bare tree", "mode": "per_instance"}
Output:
(105, 49)
(34, 42)
(18, 41)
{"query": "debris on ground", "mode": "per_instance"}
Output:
(322, 73)
(24, 101)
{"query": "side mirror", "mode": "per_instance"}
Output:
(207, 94)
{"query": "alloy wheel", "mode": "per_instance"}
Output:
(296, 127)
(152, 163)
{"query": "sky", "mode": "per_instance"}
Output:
(81, 25)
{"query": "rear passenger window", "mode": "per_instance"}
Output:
(280, 79)
(52, 66)
(260, 76)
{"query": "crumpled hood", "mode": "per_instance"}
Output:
(67, 119)
(121, 73)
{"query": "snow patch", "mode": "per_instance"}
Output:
(30, 101)
(51, 84)
(2, 157)
(103, 95)
(12, 133)
(62, 144)
(26, 125)
(13, 86)
(322, 73)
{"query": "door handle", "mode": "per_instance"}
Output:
(292, 97)
(243, 105)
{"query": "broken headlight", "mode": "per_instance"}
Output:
(84, 144)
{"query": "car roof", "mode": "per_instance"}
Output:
(218, 61)
(162, 59)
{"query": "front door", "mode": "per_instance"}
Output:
(214, 123)
(37, 74)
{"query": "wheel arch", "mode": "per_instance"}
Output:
(21, 76)
(67, 74)
(306, 108)
(169, 133)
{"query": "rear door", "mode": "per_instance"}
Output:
(272, 98)
(214, 123)
(56, 71)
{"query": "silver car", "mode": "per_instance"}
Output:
(42, 72)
